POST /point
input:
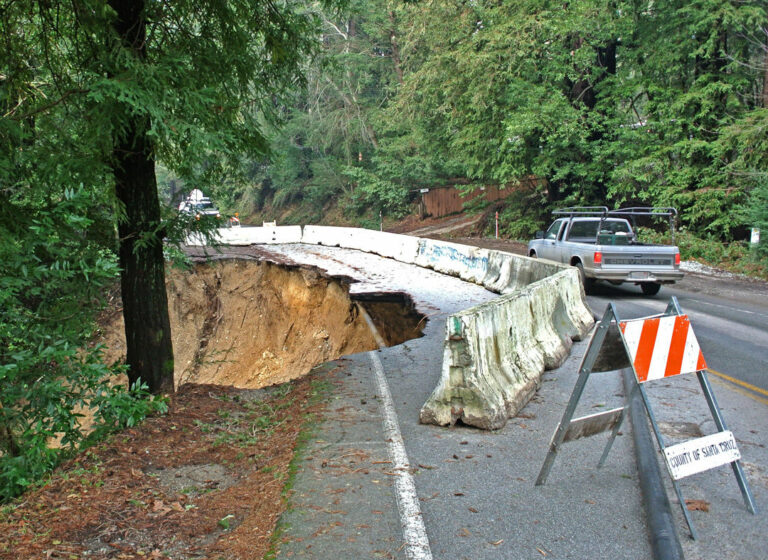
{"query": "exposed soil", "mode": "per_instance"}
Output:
(250, 323)
(208, 479)
(446, 226)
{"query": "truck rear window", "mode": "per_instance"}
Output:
(587, 229)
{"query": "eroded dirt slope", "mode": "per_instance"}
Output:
(249, 323)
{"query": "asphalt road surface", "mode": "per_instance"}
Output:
(729, 317)
(470, 494)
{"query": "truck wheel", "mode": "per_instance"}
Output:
(587, 282)
(650, 288)
(532, 254)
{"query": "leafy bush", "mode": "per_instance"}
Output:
(121, 407)
(52, 278)
(374, 194)
(756, 214)
(524, 213)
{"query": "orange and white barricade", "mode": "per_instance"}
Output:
(654, 348)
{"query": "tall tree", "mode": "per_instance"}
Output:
(142, 279)
(116, 87)
(500, 91)
(694, 78)
(331, 130)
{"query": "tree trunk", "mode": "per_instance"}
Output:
(395, 47)
(8, 442)
(765, 70)
(145, 303)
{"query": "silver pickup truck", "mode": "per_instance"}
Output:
(603, 246)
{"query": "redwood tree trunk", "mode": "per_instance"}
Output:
(395, 47)
(765, 70)
(145, 303)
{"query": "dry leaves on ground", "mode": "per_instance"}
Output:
(204, 481)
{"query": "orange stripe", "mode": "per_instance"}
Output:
(701, 364)
(677, 346)
(645, 348)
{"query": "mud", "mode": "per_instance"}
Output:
(250, 323)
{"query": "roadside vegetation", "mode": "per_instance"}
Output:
(337, 111)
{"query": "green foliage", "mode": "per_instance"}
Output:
(375, 194)
(52, 281)
(331, 125)
(614, 103)
(121, 407)
(525, 212)
(756, 215)
(700, 67)
(226, 521)
(744, 145)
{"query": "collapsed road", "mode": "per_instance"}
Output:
(473, 490)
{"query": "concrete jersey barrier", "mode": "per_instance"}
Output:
(267, 235)
(467, 262)
(403, 248)
(494, 353)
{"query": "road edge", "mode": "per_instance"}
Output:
(665, 543)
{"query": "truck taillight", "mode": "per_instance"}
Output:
(598, 258)
(677, 259)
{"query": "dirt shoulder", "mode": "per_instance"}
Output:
(204, 481)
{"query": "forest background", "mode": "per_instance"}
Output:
(611, 103)
(341, 112)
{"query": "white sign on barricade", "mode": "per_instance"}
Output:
(654, 348)
(702, 454)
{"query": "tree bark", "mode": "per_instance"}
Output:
(142, 266)
(765, 70)
(395, 46)
(9, 444)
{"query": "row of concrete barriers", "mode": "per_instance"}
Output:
(495, 353)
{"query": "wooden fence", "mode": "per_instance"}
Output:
(442, 201)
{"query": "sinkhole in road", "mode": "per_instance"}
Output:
(251, 323)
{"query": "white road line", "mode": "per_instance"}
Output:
(740, 310)
(414, 533)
